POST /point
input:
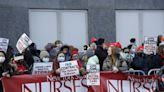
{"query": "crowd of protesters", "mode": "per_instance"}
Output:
(110, 57)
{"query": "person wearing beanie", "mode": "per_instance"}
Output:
(93, 46)
(44, 56)
(75, 56)
(93, 40)
(100, 41)
(101, 52)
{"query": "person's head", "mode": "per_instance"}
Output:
(159, 39)
(75, 54)
(85, 47)
(93, 46)
(2, 57)
(19, 58)
(84, 58)
(90, 53)
(93, 40)
(33, 49)
(104, 45)
(132, 40)
(60, 57)
(49, 47)
(44, 56)
(100, 41)
(10, 53)
(126, 50)
(33, 46)
(109, 51)
(65, 49)
(58, 43)
(113, 52)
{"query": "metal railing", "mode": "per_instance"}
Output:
(154, 71)
(135, 72)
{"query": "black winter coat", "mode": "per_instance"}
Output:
(101, 54)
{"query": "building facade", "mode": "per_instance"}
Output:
(101, 15)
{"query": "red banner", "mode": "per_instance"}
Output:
(109, 82)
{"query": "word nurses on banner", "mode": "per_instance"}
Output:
(69, 68)
(150, 45)
(4, 44)
(23, 42)
(93, 77)
(42, 68)
(110, 82)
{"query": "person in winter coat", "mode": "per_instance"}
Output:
(22, 67)
(161, 52)
(60, 58)
(113, 62)
(84, 58)
(28, 58)
(75, 56)
(55, 49)
(5, 69)
(101, 51)
(132, 45)
(45, 56)
(66, 50)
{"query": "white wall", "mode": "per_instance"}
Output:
(138, 24)
(69, 26)
(127, 26)
(74, 29)
(43, 27)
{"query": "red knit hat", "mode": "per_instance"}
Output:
(93, 39)
(118, 44)
(111, 44)
(140, 48)
(74, 51)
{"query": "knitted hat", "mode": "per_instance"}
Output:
(93, 39)
(100, 41)
(44, 54)
(118, 44)
(74, 51)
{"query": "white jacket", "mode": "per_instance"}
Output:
(93, 60)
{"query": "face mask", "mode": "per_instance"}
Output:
(45, 59)
(2, 59)
(61, 59)
(76, 57)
